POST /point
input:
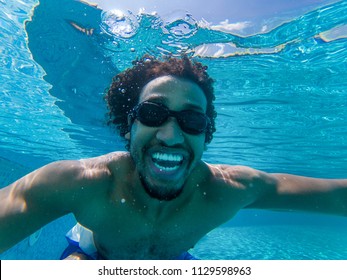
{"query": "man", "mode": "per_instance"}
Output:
(157, 200)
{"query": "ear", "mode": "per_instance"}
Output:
(130, 122)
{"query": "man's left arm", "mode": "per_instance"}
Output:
(291, 192)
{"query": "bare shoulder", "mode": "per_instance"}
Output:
(104, 165)
(67, 184)
(239, 183)
(79, 171)
(235, 175)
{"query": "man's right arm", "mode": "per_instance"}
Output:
(45, 195)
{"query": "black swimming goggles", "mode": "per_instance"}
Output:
(156, 114)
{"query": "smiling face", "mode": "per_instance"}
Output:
(165, 156)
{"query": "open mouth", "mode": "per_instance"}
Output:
(167, 162)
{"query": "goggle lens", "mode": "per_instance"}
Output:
(154, 115)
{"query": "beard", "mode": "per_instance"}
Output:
(160, 193)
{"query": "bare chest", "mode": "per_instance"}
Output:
(132, 242)
(127, 233)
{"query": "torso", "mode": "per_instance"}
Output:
(125, 226)
(127, 234)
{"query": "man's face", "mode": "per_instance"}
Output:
(165, 156)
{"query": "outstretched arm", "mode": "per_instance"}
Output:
(293, 192)
(257, 189)
(44, 195)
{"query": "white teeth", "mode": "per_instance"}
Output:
(167, 169)
(168, 157)
(167, 162)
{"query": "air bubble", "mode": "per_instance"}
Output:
(179, 24)
(119, 23)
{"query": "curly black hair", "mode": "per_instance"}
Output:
(123, 94)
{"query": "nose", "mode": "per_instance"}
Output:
(170, 133)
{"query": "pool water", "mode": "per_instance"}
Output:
(280, 92)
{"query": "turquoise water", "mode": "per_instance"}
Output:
(281, 100)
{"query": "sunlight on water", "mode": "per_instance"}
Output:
(118, 24)
(181, 32)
